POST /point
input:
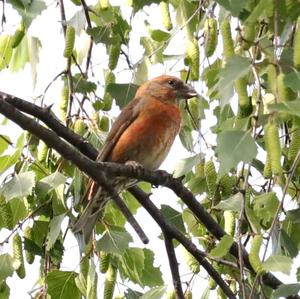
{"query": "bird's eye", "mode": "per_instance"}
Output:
(171, 83)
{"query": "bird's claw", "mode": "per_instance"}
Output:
(133, 164)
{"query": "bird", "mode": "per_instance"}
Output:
(143, 133)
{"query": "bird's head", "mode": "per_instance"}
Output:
(167, 89)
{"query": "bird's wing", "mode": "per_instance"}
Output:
(124, 120)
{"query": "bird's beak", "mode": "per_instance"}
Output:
(187, 92)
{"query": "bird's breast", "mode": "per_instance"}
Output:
(149, 138)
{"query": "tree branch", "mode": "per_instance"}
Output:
(172, 232)
(46, 116)
(92, 169)
(82, 162)
(173, 266)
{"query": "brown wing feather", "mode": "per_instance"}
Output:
(127, 116)
(123, 121)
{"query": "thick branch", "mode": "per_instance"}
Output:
(46, 116)
(171, 231)
(82, 162)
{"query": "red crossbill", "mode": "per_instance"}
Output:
(144, 133)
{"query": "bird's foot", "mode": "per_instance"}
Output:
(133, 164)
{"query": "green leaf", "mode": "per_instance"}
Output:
(21, 56)
(19, 208)
(58, 201)
(121, 27)
(113, 215)
(5, 50)
(259, 10)
(152, 276)
(130, 201)
(49, 183)
(286, 290)
(278, 263)
(235, 68)
(155, 293)
(7, 161)
(223, 247)
(132, 294)
(233, 203)
(19, 186)
(298, 274)
(186, 17)
(122, 93)
(292, 108)
(101, 35)
(92, 278)
(292, 80)
(54, 230)
(194, 227)
(137, 265)
(82, 85)
(7, 265)
(34, 46)
(153, 49)
(5, 291)
(138, 4)
(210, 76)
(288, 244)
(115, 240)
(293, 215)
(197, 185)
(186, 138)
(61, 284)
(29, 10)
(292, 230)
(142, 72)
(78, 21)
(159, 35)
(234, 147)
(173, 216)
(252, 220)
(265, 207)
(40, 231)
(4, 141)
(184, 166)
(132, 264)
(234, 6)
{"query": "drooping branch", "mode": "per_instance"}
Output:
(154, 177)
(172, 232)
(173, 266)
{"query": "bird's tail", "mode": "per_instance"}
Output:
(97, 201)
(87, 221)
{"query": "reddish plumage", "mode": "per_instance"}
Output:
(144, 132)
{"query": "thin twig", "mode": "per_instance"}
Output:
(52, 81)
(3, 18)
(173, 266)
(173, 232)
(89, 24)
(280, 206)
(69, 60)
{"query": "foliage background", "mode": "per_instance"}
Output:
(253, 81)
